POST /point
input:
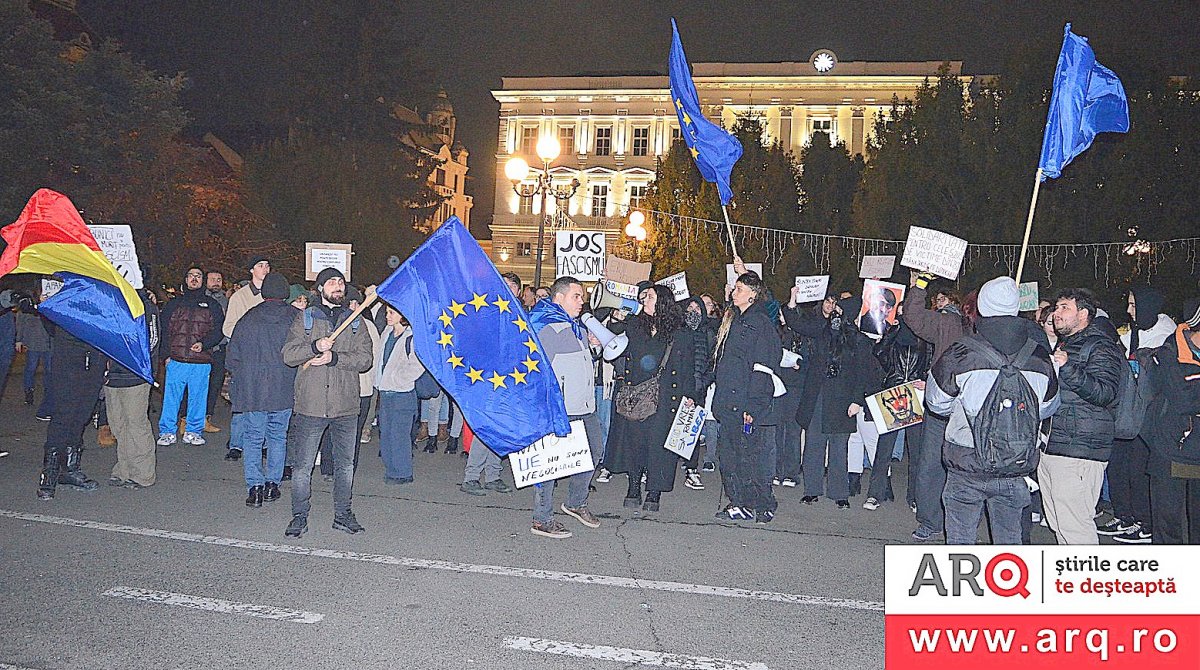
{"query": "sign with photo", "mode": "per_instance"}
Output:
(812, 289)
(685, 429)
(897, 408)
(321, 255)
(877, 267)
(580, 254)
(552, 457)
(933, 251)
(116, 241)
(1029, 296)
(880, 304)
(678, 285)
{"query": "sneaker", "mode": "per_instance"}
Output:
(233, 455)
(498, 486)
(923, 534)
(298, 526)
(776, 482)
(1137, 535)
(871, 504)
(708, 466)
(116, 481)
(29, 397)
(166, 439)
(809, 500)
(1115, 526)
(551, 528)
(581, 514)
(397, 481)
(764, 517)
(692, 481)
(913, 506)
(347, 523)
(287, 474)
(193, 438)
(271, 492)
(42, 417)
(843, 504)
(604, 477)
(1035, 518)
(365, 439)
(735, 513)
(789, 482)
(473, 488)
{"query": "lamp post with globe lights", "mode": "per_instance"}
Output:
(517, 171)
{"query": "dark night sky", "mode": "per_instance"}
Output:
(229, 49)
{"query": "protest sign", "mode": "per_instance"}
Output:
(50, 287)
(321, 255)
(580, 254)
(678, 285)
(626, 272)
(934, 251)
(116, 241)
(879, 307)
(876, 267)
(898, 407)
(812, 289)
(731, 276)
(685, 430)
(621, 290)
(552, 457)
(1029, 296)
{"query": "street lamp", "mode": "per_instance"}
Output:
(517, 171)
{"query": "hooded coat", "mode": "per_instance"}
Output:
(1151, 329)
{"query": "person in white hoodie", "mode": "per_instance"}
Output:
(1128, 482)
(397, 369)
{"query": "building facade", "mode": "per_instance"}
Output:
(449, 179)
(613, 130)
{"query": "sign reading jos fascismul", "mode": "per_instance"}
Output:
(580, 254)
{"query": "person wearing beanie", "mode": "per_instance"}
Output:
(366, 393)
(958, 386)
(261, 390)
(1089, 360)
(241, 302)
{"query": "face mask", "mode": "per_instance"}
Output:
(692, 319)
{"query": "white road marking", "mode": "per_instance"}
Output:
(465, 568)
(5, 666)
(623, 655)
(214, 604)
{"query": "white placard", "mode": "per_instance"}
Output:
(580, 254)
(897, 408)
(50, 287)
(1029, 296)
(678, 285)
(116, 241)
(321, 255)
(877, 267)
(685, 430)
(731, 276)
(552, 457)
(934, 251)
(812, 289)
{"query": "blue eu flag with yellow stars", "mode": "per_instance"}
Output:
(473, 336)
(714, 150)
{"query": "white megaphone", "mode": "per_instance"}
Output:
(614, 345)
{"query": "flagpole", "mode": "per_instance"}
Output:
(362, 307)
(1037, 183)
(729, 228)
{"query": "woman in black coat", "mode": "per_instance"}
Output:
(636, 447)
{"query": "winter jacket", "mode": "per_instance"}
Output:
(242, 300)
(261, 381)
(192, 317)
(938, 327)
(366, 381)
(330, 390)
(402, 369)
(752, 339)
(120, 376)
(1173, 414)
(1083, 426)
(573, 365)
(643, 358)
(31, 331)
(963, 376)
(858, 371)
(1149, 338)
(702, 346)
(903, 356)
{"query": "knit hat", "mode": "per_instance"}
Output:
(296, 291)
(275, 287)
(999, 297)
(1191, 313)
(255, 260)
(327, 274)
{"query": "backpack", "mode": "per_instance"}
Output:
(1133, 397)
(1004, 434)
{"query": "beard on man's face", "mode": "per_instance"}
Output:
(336, 298)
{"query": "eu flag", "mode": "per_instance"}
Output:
(473, 336)
(714, 150)
(1088, 99)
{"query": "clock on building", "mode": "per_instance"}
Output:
(823, 60)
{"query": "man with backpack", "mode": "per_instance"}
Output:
(1090, 364)
(996, 386)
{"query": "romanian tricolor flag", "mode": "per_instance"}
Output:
(96, 304)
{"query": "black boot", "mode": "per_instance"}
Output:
(49, 478)
(73, 475)
(431, 445)
(854, 479)
(452, 445)
(254, 497)
(651, 504)
(633, 498)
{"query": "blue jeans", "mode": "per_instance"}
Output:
(305, 439)
(190, 377)
(604, 415)
(32, 359)
(236, 431)
(965, 497)
(577, 484)
(264, 429)
(396, 413)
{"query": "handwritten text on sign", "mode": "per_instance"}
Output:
(580, 254)
(877, 267)
(678, 285)
(1028, 296)
(812, 289)
(116, 241)
(552, 457)
(934, 251)
(685, 430)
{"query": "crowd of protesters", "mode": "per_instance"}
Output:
(1054, 417)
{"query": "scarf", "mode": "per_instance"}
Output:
(546, 312)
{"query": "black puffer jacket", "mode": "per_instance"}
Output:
(903, 356)
(1083, 426)
(752, 339)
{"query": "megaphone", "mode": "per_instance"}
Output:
(605, 294)
(614, 345)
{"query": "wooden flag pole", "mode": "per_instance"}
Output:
(1037, 184)
(367, 302)
(729, 228)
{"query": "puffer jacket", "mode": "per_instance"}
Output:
(331, 390)
(752, 339)
(1083, 426)
(192, 317)
(1172, 426)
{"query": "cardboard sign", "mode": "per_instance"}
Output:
(731, 276)
(877, 267)
(580, 254)
(1029, 296)
(626, 272)
(552, 457)
(116, 241)
(678, 285)
(896, 408)
(812, 289)
(621, 290)
(934, 251)
(321, 255)
(685, 430)
(50, 287)
(881, 301)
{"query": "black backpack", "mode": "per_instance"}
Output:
(1005, 431)
(1133, 397)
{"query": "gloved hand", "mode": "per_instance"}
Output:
(924, 278)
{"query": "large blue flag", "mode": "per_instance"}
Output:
(1088, 99)
(714, 150)
(472, 334)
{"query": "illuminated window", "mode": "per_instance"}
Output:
(600, 200)
(637, 194)
(566, 139)
(439, 177)
(603, 140)
(676, 135)
(641, 141)
(524, 249)
(525, 206)
(529, 138)
(823, 125)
